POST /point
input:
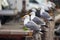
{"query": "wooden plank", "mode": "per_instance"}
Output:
(50, 33)
(51, 30)
(12, 32)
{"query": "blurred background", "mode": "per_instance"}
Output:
(12, 24)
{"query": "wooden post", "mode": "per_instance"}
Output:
(50, 33)
(51, 30)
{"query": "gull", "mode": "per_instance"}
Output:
(31, 25)
(51, 4)
(45, 15)
(36, 19)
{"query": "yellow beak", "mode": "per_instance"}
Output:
(23, 17)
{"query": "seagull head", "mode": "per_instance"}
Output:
(33, 12)
(26, 17)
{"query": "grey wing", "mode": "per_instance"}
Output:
(32, 25)
(37, 20)
(45, 15)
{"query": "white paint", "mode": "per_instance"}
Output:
(30, 5)
(5, 3)
(16, 4)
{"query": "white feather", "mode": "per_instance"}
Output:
(26, 19)
(32, 15)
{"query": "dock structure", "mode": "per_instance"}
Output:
(49, 35)
(15, 34)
